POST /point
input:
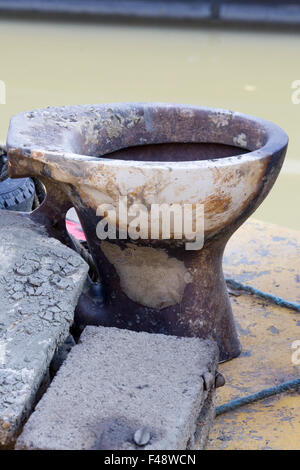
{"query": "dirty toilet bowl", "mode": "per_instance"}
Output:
(152, 154)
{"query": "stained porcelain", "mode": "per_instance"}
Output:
(78, 152)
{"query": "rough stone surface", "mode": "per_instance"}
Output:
(40, 281)
(115, 382)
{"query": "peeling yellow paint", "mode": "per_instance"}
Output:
(272, 424)
(265, 256)
(268, 255)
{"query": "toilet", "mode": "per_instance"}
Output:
(215, 166)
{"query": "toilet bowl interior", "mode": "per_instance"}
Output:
(176, 152)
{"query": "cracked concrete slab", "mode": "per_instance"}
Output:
(119, 386)
(40, 282)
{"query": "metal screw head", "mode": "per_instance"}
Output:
(141, 437)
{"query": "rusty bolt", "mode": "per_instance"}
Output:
(219, 380)
(142, 437)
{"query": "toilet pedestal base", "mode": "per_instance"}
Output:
(161, 290)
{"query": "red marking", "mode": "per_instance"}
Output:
(74, 228)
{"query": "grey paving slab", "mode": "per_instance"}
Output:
(40, 282)
(118, 387)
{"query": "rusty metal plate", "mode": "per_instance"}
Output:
(267, 333)
(271, 424)
(266, 257)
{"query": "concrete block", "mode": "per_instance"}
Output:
(40, 282)
(119, 387)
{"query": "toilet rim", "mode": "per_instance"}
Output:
(24, 139)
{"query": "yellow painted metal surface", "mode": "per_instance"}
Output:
(267, 257)
(273, 423)
(267, 333)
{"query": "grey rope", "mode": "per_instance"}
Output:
(265, 393)
(265, 295)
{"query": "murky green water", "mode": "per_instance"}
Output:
(47, 64)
